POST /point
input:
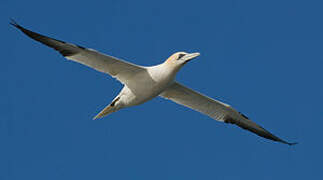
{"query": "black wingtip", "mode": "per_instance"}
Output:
(291, 144)
(13, 23)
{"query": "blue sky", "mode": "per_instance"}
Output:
(262, 57)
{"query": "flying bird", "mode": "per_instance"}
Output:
(142, 83)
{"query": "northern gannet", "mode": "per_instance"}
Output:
(142, 83)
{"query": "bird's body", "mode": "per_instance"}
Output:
(145, 85)
(141, 83)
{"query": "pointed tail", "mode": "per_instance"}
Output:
(107, 110)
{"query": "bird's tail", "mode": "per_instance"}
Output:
(107, 110)
(113, 107)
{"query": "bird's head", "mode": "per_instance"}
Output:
(178, 59)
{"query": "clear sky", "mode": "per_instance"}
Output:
(262, 57)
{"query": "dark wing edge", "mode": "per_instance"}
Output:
(251, 126)
(215, 109)
(115, 67)
(65, 49)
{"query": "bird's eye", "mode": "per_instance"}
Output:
(180, 56)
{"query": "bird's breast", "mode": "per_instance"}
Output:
(147, 85)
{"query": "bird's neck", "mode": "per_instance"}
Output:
(170, 66)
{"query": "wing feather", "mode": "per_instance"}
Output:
(115, 67)
(215, 109)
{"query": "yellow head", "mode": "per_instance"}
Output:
(178, 59)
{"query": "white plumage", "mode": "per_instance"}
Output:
(144, 83)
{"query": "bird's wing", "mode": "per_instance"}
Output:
(214, 109)
(104, 63)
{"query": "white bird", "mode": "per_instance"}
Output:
(141, 83)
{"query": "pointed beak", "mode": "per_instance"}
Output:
(191, 56)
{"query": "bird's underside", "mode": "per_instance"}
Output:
(174, 91)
